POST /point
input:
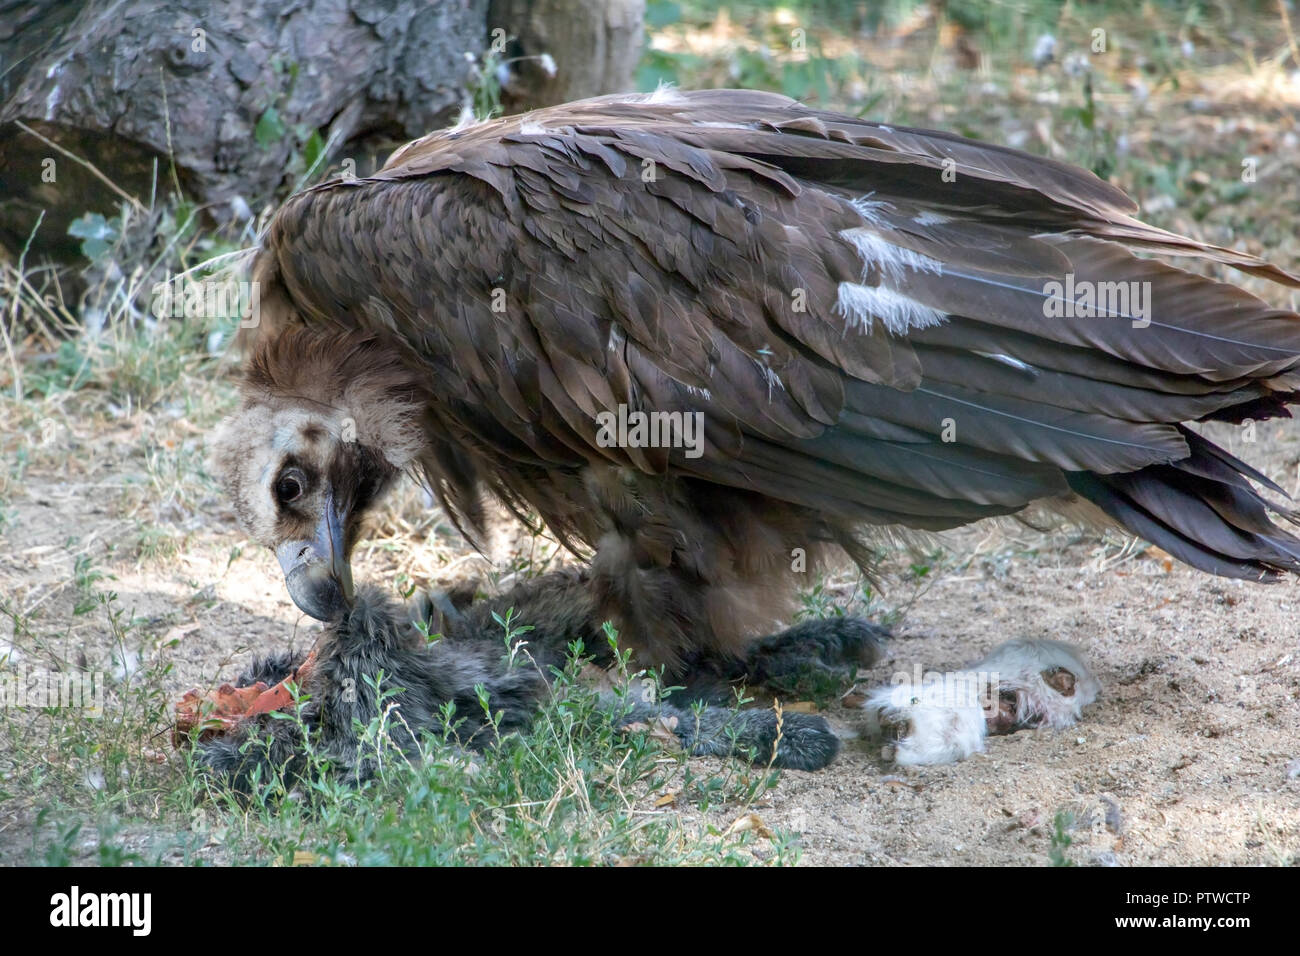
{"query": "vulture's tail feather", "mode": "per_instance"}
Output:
(1201, 510)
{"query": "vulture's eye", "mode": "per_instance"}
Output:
(290, 486)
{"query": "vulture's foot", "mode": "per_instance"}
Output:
(832, 641)
(815, 660)
(1021, 685)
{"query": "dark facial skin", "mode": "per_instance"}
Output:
(320, 516)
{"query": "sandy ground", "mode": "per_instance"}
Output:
(1189, 757)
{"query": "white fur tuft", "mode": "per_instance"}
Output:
(932, 725)
(927, 733)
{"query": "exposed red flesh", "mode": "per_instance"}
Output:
(219, 712)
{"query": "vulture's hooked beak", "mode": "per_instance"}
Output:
(317, 572)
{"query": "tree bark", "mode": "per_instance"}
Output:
(226, 91)
(594, 45)
(221, 98)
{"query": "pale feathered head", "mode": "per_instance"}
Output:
(325, 425)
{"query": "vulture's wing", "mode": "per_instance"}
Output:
(887, 325)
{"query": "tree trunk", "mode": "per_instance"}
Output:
(594, 46)
(231, 100)
(228, 92)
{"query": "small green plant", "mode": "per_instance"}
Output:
(817, 603)
(85, 575)
(155, 543)
(97, 234)
(1062, 824)
(309, 149)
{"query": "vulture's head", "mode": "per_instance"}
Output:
(324, 427)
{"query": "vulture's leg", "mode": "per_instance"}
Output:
(804, 660)
(807, 660)
(1020, 685)
(474, 660)
(814, 659)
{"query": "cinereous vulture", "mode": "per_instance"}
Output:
(871, 326)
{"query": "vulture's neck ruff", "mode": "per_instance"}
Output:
(879, 327)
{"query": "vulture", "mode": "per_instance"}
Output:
(711, 339)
